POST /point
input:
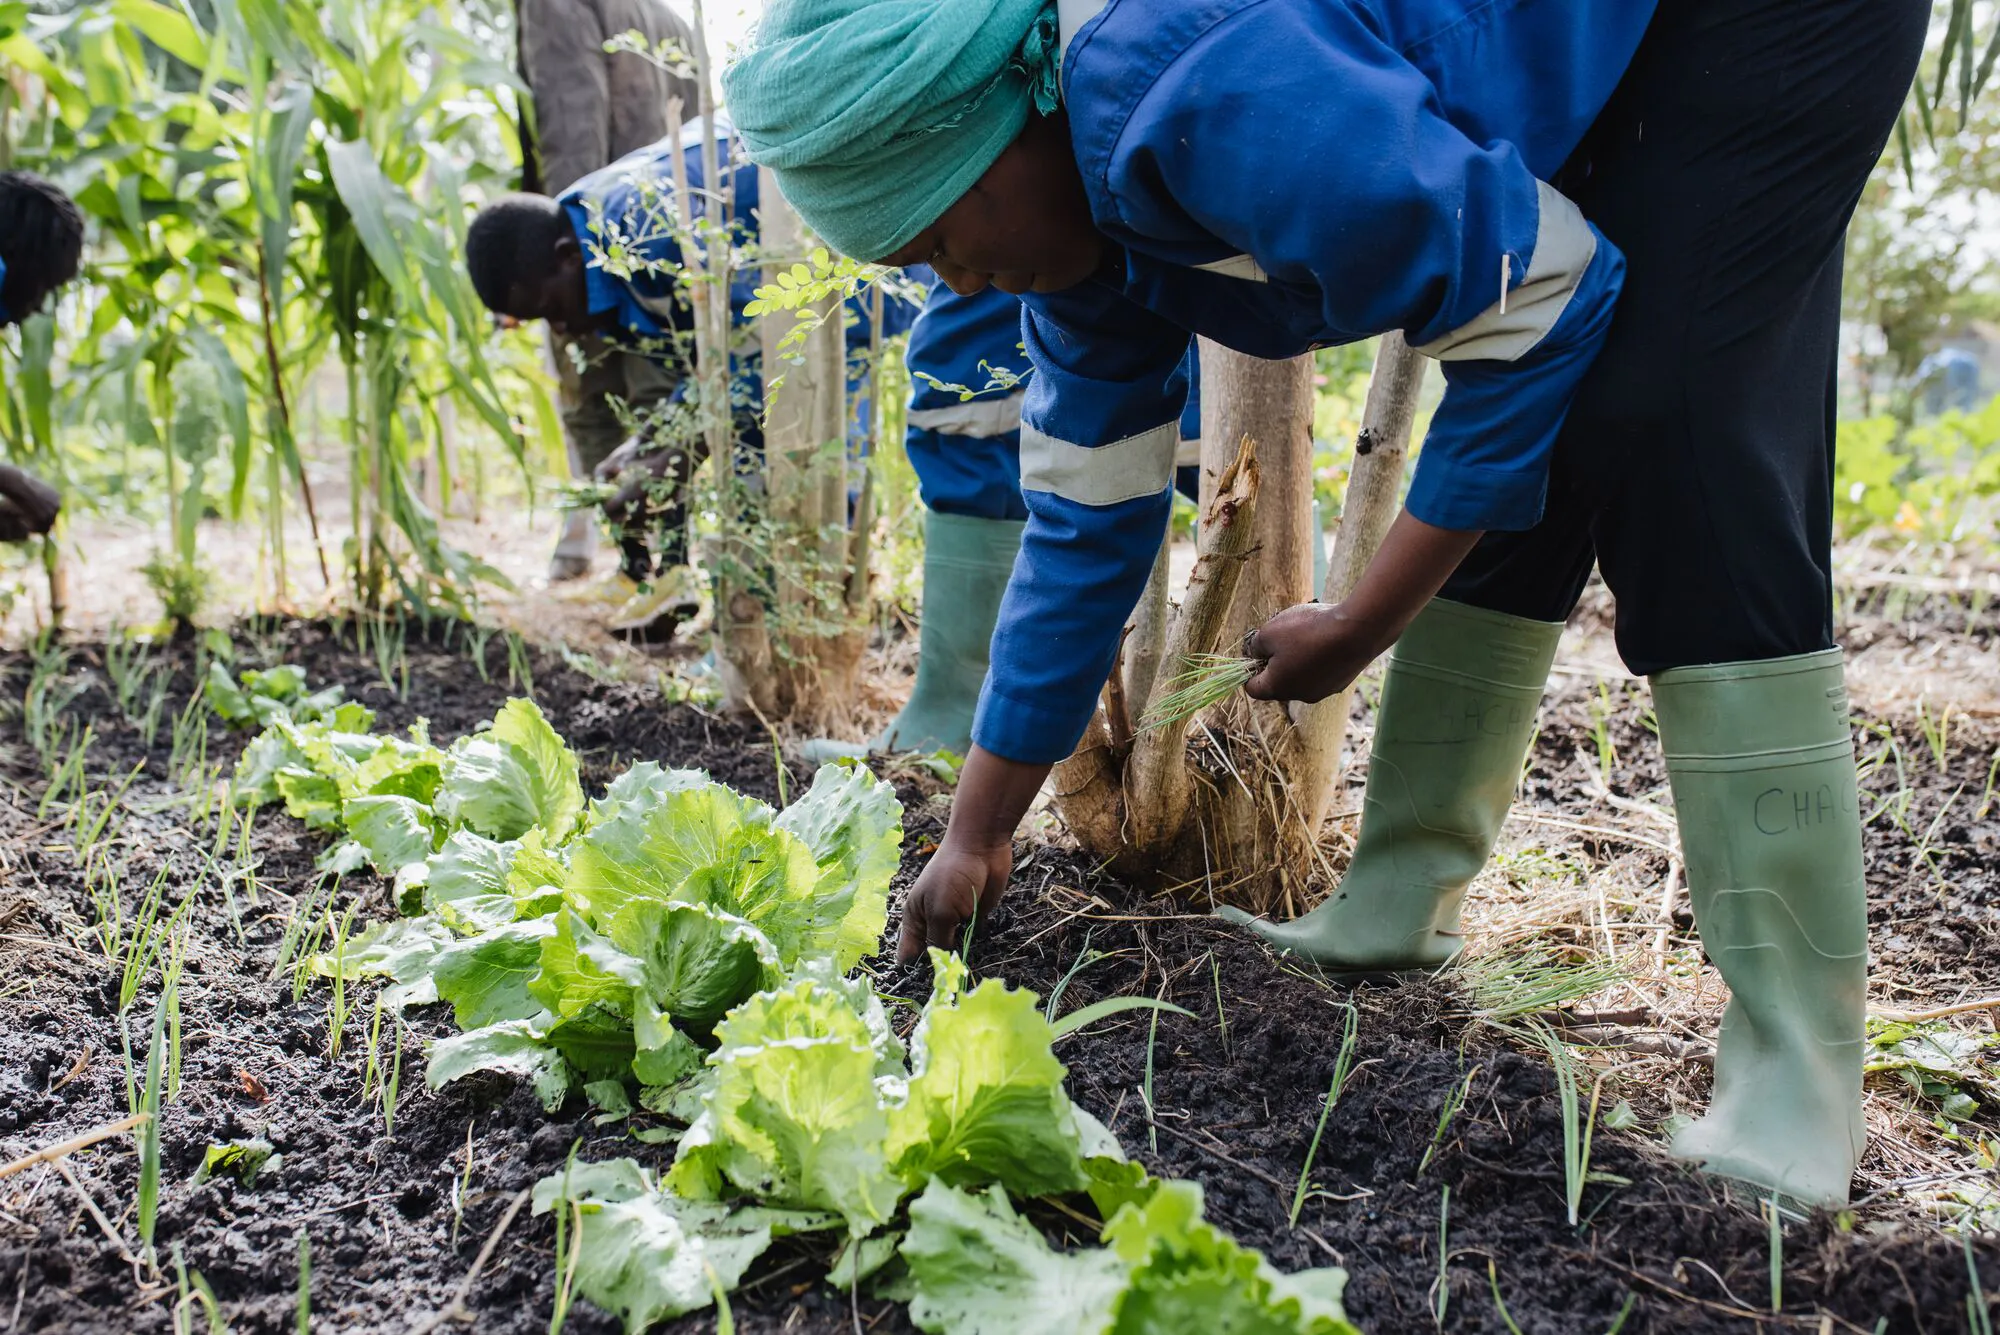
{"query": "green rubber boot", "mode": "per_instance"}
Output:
(1458, 711)
(1762, 763)
(966, 566)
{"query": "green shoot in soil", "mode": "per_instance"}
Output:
(1205, 679)
(149, 1132)
(1576, 1131)
(1493, 1282)
(1601, 711)
(1777, 1227)
(459, 1186)
(1986, 795)
(569, 1240)
(1152, 1039)
(395, 1087)
(338, 1007)
(303, 1312)
(1085, 956)
(194, 1289)
(1221, 1020)
(1937, 733)
(1442, 1302)
(520, 671)
(1454, 1102)
(1979, 1315)
(1343, 1064)
(1618, 1324)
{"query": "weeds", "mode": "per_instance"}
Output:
(338, 1007)
(1205, 679)
(192, 1289)
(460, 1185)
(1986, 794)
(1493, 1282)
(393, 1091)
(1507, 988)
(1978, 1313)
(1221, 1020)
(149, 1131)
(1936, 733)
(1601, 711)
(1343, 1065)
(1084, 958)
(1441, 1302)
(520, 670)
(1577, 1128)
(1454, 1102)
(1146, 1090)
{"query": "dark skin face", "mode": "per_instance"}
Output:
(1024, 226)
(560, 295)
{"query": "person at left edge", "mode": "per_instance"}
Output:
(535, 258)
(41, 249)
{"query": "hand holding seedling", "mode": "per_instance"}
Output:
(1316, 649)
(968, 874)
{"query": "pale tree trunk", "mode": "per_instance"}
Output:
(803, 662)
(1233, 801)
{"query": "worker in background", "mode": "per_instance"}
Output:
(590, 109)
(41, 249)
(966, 453)
(535, 258)
(1619, 227)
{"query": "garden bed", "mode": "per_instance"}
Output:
(396, 1223)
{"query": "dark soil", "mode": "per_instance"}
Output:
(1233, 1110)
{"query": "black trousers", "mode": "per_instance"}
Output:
(1696, 464)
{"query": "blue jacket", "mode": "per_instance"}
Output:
(623, 216)
(970, 342)
(1282, 175)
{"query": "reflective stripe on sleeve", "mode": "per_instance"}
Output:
(1522, 317)
(1125, 470)
(975, 417)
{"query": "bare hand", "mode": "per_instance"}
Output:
(31, 505)
(957, 884)
(1312, 651)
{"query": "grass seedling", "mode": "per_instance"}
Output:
(1625, 1312)
(303, 1312)
(192, 1289)
(1343, 1064)
(1221, 1020)
(1986, 794)
(170, 1001)
(1601, 711)
(338, 1008)
(295, 926)
(188, 753)
(67, 776)
(569, 1240)
(1978, 1312)
(394, 1089)
(1777, 1229)
(149, 1131)
(372, 1068)
(477, 637)
(1454, 1103)
(460, 1185)
(142, 948)
(520, 671)
(1146, 1091)
(1084, 957)
(1576, 1129)
(1936, 733)
(1493, 1282)
(1204, 680)
(1442, 1301)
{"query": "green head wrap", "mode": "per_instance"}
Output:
(877, 115)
